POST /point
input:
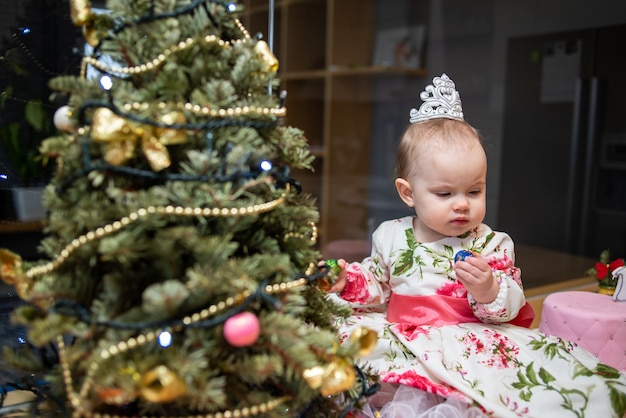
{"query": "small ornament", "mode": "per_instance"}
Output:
(90, 33)
(263, 51)
(161, 385)
(11, 273)
(366, 338)
(334, 266)
(336, 377)
(326, 282)
(603, 271)
(80, 12)
(462, 255)
(10, 266)
(242, 330)
(63, 119)
(116, 396)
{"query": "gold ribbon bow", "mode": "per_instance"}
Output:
(12, 273)
(120, 137)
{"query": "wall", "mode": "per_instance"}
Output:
(467, 40)
(514, 18)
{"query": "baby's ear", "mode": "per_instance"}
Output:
(404, 190)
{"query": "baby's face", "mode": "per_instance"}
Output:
(449, 190)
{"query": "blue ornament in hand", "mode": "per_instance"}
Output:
(462, 255)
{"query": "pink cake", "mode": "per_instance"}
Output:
(591, 320)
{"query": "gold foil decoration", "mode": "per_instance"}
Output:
(11, 273)
(90, 33)
(156, 153)
(161, 385)
(121, 135)
(366, 338)
(263, 51)
(117, 153)
(80, 11)
(10, 267)
(169, 136)
(106, 126)
(314, 376)
(335, 377)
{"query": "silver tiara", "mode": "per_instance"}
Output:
(441, 100)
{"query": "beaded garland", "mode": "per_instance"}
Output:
(155, 62)
(143, 212)
(78, 400)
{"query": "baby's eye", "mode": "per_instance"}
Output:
(443, 194)
(475, 192)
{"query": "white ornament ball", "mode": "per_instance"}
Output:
(62, 119)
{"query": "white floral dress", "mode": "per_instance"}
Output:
(433, 336)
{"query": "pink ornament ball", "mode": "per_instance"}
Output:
(242, 330)
(62, 120)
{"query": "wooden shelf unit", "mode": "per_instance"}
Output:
(325, 50)
(14, 226)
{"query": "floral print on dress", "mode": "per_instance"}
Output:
(508, 370)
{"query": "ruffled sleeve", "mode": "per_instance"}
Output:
(368, 280)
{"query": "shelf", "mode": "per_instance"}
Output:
(7, 227)
(326, 49)
(304, 75)
(341, 71)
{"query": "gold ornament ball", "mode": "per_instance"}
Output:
(366, 339)
(335, 377)
(161, 385)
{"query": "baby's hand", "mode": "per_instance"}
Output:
(477, 277)
(339, 270)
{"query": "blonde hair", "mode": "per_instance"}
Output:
(422, 138)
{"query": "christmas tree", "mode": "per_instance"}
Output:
(181, 276)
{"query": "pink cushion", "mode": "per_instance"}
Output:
(593, 321)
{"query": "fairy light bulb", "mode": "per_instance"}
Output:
(106, 82)
(165, 339)
(266, 165)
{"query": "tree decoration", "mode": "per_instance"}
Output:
(180, 274)
(603, 271)
(162, 385)
(63, 119)
(242, 330)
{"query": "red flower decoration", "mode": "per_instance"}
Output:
(603, 269)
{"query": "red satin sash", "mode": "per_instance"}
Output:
(440, 310)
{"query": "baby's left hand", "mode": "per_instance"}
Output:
(477, 277)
